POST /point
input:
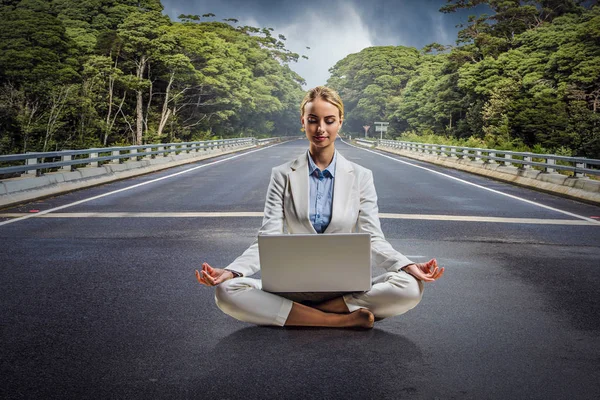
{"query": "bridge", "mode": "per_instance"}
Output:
(99, 298)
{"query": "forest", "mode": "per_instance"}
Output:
(94, 73)
(78, 74)
(525, 76)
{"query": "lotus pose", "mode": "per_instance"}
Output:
(345, 201)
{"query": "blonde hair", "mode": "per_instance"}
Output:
(325, 93)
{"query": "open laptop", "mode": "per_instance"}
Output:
(315, 262)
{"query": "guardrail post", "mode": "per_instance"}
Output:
(508, 157)
(66, 168)
(161, 150)
(93, 163)
(526, 159)
(465, 153)
(579, 174)
(491, 154)
(550, 161)
(115, 153)
(477, 155)
(133, 153)
(32, 161)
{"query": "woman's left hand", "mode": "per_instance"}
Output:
(212, 276)
(427, 272)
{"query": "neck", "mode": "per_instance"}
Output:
(322, 156)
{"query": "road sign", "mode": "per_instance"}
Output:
(366, 128)
(381, 127)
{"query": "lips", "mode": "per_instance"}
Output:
(320, 138)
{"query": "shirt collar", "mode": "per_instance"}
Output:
(331, 167)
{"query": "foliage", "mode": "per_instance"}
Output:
(76, 74)
(524, 76)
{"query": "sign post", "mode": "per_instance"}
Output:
(366, 128)
(381, 127)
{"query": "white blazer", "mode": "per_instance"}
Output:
(354, 210)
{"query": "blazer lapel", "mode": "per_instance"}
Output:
(298, 179)
(342, 191)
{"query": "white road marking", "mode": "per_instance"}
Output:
(45, 212)
(594, 222)
(144, 215)
(241, 214)
(470, 218)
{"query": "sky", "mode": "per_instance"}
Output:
(334, 28)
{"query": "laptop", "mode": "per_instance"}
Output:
(315, 262)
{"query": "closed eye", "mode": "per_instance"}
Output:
(314, 121)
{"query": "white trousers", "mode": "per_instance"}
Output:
(392, 293)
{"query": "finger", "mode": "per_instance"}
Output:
(438, 274)
(199, 277)
(208, 278)
(425, 267)
(432, 264)
(428, 274)
(421, 276)
(201, 280)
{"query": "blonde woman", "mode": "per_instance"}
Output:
(340, 198)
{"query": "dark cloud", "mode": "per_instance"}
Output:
(346, 25)
(408, 22)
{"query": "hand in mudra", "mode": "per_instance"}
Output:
(427, 272)
(212, 276)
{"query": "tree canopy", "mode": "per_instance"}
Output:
(525, 75)
(89, 73)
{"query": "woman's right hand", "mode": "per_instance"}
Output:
(427, 272)
(212, 276)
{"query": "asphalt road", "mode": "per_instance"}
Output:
(99, 298)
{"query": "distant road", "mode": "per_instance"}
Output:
(99, 298)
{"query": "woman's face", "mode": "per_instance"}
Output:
(321, 121)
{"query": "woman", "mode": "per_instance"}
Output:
(342, 199)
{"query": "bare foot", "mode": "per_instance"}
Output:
(361, 318)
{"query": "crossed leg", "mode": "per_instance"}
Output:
(392, 293)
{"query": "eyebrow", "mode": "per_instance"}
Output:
(329, 116)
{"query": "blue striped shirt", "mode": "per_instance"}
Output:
(321, 193)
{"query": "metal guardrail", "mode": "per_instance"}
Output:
(365, 142)
(66, 160)
(579, 166)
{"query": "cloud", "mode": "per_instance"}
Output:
(334, 29)
(331, 34)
